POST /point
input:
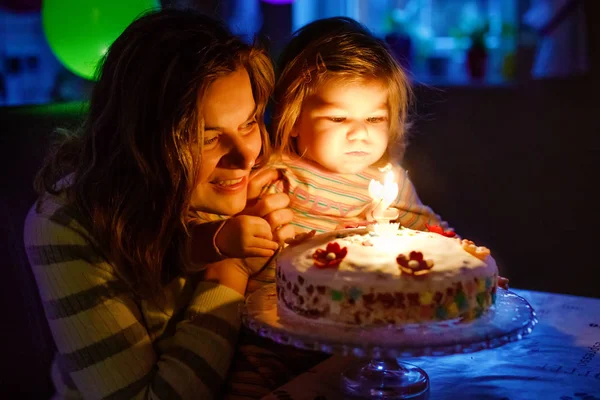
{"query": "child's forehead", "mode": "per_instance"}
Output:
(341, 87)
(329, 79)
(349, 96)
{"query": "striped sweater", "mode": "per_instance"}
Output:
(325, 201)
(112, 344)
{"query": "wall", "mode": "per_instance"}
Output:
(514, 169)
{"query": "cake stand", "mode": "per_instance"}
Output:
(378, 373)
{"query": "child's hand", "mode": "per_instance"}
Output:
(246, 236)
(299, 238)
(362, 224)
(273, 207)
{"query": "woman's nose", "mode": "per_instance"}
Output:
(358, 131)
(240, 155)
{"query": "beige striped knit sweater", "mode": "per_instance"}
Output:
(110, 343)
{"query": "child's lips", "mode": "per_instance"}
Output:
(357, 153)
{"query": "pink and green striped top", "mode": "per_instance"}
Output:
(324, 201)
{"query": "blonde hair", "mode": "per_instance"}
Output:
(136, 159)
(336, 48)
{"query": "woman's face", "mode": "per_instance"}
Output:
(232, 142)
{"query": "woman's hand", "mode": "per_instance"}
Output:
(272, 207)
(235, 272)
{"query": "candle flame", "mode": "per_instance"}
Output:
(383, 195)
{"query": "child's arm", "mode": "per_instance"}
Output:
(413, 213)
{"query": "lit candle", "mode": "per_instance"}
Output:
(383, 195)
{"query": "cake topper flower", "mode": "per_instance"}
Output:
(414, 264)
(331, 257)
(477, 251)
(439, 230)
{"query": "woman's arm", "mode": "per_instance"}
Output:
(106, 347)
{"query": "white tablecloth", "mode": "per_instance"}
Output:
(559, 360)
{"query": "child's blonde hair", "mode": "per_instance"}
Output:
(331, 49)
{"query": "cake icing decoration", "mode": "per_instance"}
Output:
(439, 230)
(480, 252)
(414, 264)
(331, 257)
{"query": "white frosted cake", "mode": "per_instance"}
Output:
(362, 278)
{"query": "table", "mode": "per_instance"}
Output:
(559, 360)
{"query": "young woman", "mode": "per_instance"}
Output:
(175, 126)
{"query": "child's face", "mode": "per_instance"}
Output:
(344, 127)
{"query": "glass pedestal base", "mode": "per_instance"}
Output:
(377, 374)
(386, 379)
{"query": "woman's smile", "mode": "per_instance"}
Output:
(230, 186)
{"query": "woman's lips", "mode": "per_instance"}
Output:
(230, 186)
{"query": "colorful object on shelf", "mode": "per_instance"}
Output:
(480, 252)
(80, 32)
(477, 55)
(331, 257)
(439, 230)
(414, 264)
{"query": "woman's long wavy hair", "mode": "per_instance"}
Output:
(340, 49)
(136, 159)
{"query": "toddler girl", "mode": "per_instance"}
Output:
(340, 113)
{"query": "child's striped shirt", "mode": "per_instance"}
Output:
(325, 201)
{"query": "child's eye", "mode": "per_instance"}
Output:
(376, 120)
(337, 119)
(249, 125)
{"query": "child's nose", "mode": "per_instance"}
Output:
(358, 131)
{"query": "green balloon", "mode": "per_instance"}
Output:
(80, 32)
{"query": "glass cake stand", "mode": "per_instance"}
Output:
(378, 374)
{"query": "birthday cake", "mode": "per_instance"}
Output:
(361, 277)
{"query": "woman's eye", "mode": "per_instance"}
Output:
(337, 119)
(376, 120)
(209, 141)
